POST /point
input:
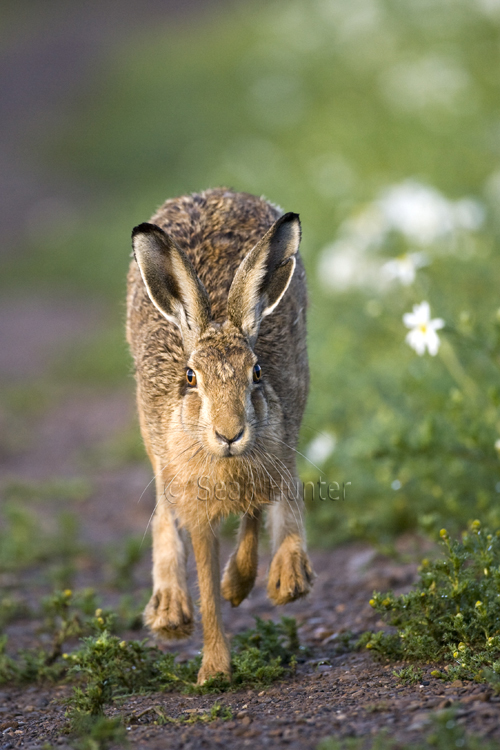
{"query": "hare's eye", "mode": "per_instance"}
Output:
(257, 373)
(191, 377)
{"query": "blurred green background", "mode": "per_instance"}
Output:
(377, 121)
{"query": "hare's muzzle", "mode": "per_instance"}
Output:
(227, 442)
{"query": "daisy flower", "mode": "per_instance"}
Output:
(423, 334)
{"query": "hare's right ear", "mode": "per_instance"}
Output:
(172, 283)
(263, 276)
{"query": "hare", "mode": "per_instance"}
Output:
(216, 323)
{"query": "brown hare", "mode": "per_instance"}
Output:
(217, 327)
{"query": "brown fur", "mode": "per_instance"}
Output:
(175, 322)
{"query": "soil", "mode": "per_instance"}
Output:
(331, 694)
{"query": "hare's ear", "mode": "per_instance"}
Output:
(171, 281)
(263, 276)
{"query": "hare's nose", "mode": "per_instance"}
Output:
(228, 440)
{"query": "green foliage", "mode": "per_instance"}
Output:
(20, 491)
(125, 560)
(409, 675)
(67, 616)
(453, 612)
(12, 607)
(445, 734)
(98, 732)
(26, 537)
(109, 667)
(30, 665)
(216, 712)
(263, 654)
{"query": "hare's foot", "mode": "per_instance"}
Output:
(216, 663)
(290, 574)
(169, 614)
(237, 581)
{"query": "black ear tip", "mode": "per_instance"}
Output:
(145, 228)
(290, 216)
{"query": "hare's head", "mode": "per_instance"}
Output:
(225, 401)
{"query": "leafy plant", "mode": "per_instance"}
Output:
(98, 732)
(409, 675)
(216, 712)
(453, 612)
(444, 734)
(108, 667)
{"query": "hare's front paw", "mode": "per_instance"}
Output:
(237, 582)
(290, 574)
(169, 614)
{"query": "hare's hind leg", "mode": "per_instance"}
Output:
(169, 612)
(241, 568)
(291, 574)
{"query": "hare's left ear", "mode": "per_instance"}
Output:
(263, 276)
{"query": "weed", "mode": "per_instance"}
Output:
(216, 712)
(453, 612)
(129, 611)
(24, 543)
(445, 734)
(66, 616)
(98, 732)
(12, 608)
(409, 675)
(110, 668)
(30, 665)
(125, 561)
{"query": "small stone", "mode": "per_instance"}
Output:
(9, 725)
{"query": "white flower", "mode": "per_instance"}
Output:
(497, 445)
(423, 330)
(420, 212)
(320, 448)
(404, 268)
(342, 265)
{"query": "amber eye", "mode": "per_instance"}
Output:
(257, 373)
(191, 377)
